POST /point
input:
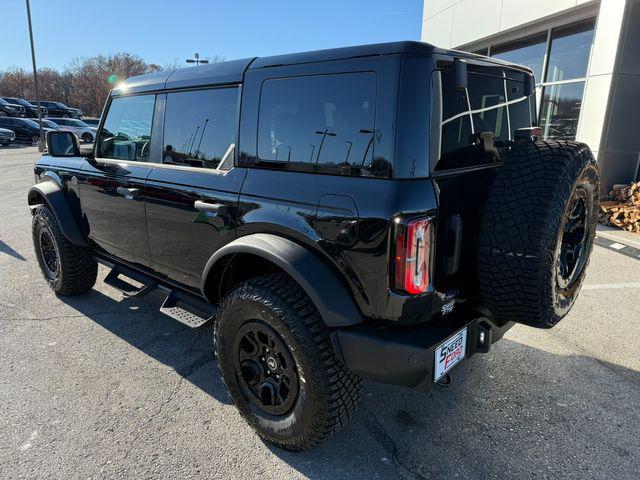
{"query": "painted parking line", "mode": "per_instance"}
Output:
(610, 286)
(627, 250)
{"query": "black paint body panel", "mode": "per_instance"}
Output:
(344, 221)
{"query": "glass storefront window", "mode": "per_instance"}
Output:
(528, 52)
(569, 54)
(560, 110)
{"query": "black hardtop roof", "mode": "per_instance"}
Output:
(233, 71)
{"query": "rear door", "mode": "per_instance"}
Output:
(192, 195)
(112, 185)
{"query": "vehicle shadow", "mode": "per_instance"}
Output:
(4, 248)
(16, 145)
(518, 412)
(138, 322)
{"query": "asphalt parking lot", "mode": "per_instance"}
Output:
(99, 386)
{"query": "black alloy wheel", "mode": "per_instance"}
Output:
(265, 368)
(573, 245)
(49, 252)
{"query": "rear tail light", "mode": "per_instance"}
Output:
(412, 255)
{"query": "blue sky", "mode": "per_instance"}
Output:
(163, 31)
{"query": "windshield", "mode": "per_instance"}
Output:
(50, 124)
(18, 101)
(79, 123)
(31, 123)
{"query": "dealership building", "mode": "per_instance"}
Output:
(585, 55)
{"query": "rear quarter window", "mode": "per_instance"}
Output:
(322, 123)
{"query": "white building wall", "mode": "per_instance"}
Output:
(453, 23)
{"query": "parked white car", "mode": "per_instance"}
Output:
(84, 132)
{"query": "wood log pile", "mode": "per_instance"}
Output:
(623, 208)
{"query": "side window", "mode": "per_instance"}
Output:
(318, 121)
(126, 134)
(200, 126)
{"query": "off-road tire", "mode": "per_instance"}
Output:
(77, 267)
(328, 392)
(522, 229)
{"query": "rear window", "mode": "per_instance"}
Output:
(490, 103)
(320, 123)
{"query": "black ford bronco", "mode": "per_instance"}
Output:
(380, 212)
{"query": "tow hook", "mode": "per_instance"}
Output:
(445, 381)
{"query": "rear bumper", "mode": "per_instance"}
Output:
(406, 356)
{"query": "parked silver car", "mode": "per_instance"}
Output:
(83, 131)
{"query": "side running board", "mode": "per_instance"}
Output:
(113, 279)
(186, 309)
(181, 306)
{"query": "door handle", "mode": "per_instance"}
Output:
(210, 207)
(128, 193)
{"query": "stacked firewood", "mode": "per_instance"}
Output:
(623, 207)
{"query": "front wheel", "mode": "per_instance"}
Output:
(279, 366)
(87, 138)
(69, 269)
(35, 139)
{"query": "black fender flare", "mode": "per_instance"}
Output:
(54, 197)
(329, 295)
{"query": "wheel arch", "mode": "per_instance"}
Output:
(263, 253)
(50, 193)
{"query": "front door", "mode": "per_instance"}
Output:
(112, 186)
(192, 196)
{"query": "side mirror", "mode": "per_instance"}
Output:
(62, 144)
(460, 70)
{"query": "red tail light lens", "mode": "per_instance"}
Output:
(412, 256)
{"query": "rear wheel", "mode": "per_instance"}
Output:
(279, 366)
(538, 231)
(69, 269)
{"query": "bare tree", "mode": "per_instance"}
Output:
(15, 82)
(84, 83)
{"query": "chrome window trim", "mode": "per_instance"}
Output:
(153, 165)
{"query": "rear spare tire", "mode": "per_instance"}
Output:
(537, 232)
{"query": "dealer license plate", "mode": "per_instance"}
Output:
(450, 353)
